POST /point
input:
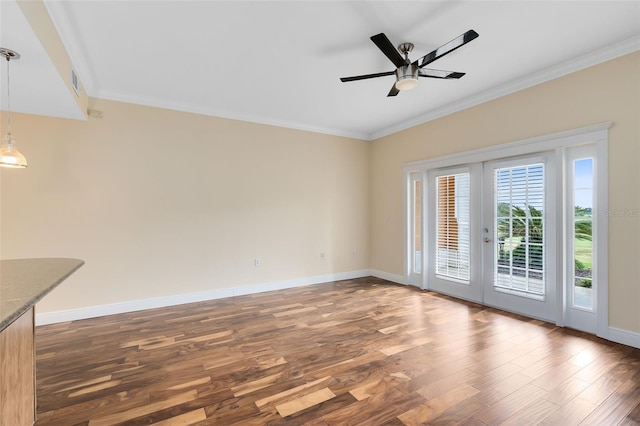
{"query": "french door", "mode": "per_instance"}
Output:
(519, 236)
(454, 222)
(519, 226)
(491, 228)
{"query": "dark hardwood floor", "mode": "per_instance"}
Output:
(355, 352)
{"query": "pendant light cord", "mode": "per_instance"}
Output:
(8, 95)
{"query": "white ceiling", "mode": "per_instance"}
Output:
(279, 62)
(36, 85)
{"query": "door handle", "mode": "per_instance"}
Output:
(487, 239)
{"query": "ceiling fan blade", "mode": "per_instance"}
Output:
(363, 77)
(431, 73)
(388, 49)
(447, 48)
(394, 91)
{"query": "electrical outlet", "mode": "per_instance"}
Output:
(257, 262)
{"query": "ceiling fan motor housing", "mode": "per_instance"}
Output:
(407, 77)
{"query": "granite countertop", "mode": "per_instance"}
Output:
(23, 282)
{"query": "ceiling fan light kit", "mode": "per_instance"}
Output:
(407, 77)
(407, 72)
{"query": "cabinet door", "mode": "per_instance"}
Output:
(17, 373)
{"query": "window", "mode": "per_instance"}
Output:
(417, 226)
(582, 256)
(415, 217)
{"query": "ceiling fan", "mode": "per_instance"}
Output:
(407, 72)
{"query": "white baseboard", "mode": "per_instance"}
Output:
(179, 299)
(625, 337)
(399, 279)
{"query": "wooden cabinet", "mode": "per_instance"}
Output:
(23, 282)
(17, 372)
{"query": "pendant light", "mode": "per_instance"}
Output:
(9, 154)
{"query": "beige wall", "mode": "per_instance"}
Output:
(159, 203)
(606, 92)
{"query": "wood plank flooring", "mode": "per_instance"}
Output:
(354, 352)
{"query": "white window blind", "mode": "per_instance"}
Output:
(519, 230)
(452, 218)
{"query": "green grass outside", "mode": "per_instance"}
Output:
(584, 252)
(583, 249)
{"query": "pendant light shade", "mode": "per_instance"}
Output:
(9, 154)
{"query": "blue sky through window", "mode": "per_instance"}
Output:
(583, 182)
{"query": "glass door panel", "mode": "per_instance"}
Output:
(452, 233)
(417, 226)
(519, 217)
(582, 233)
(415, 261)
(454, 242)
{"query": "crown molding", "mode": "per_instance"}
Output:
(576, 64)
(202, 110)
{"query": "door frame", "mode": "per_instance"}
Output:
(577, 317)
(558, 142)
